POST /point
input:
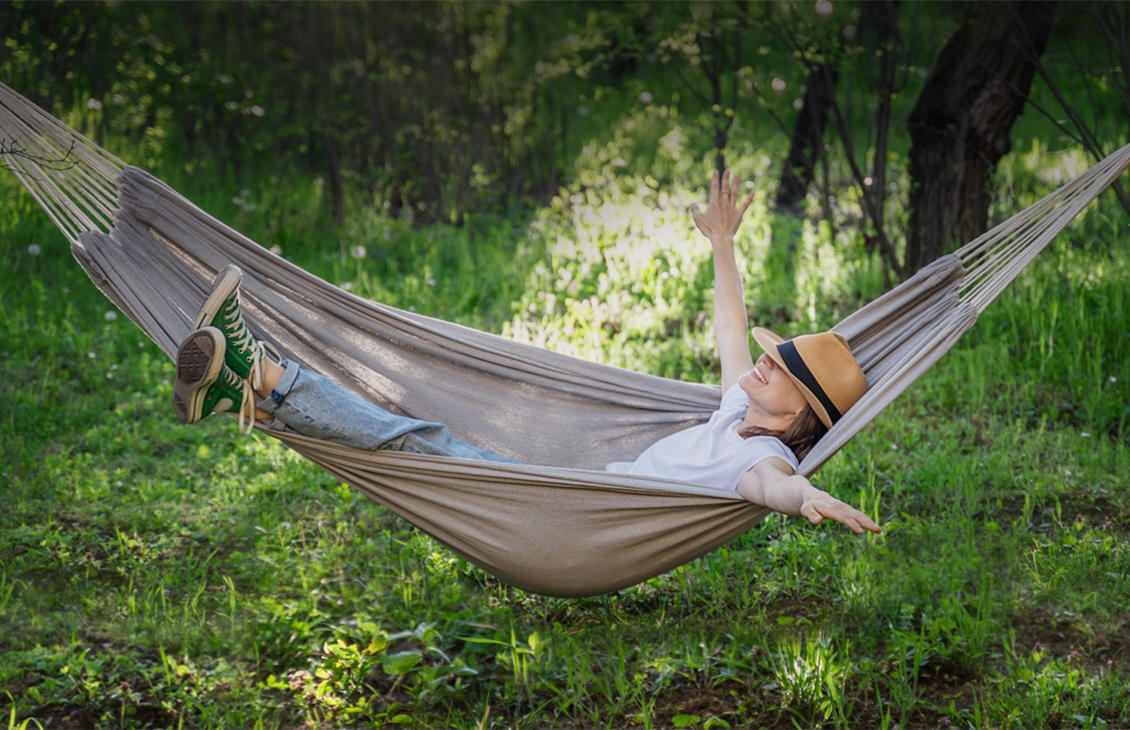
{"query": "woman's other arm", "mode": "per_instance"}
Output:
(719, 223)
(772, 483)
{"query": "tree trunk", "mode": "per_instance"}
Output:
(808, 136)
(337, 184)
(960, 125)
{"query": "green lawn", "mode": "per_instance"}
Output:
(153, 575)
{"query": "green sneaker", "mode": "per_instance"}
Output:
(205, 385)
(243, 353)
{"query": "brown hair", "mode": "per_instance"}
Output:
(800, 436)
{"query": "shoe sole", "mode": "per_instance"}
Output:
(226, 282)
(200, 359)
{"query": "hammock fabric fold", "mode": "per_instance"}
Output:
(556, 524)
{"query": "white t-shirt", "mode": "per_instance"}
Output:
(711, 454)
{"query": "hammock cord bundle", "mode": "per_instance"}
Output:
(556, 524)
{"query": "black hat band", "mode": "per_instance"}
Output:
(795, 363)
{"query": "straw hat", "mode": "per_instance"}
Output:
(822, 367)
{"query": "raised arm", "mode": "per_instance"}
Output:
(719, 222)
(771, 483)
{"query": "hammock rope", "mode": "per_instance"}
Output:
(555, 524)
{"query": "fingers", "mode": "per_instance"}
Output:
(745, 205)
(845, 514)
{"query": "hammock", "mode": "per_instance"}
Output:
(557, 524)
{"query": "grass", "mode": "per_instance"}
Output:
(153, 575)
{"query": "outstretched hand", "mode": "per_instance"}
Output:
(819, 506)
(724, 212)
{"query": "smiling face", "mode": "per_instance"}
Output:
(774, 400)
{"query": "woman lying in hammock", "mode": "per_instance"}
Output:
(771, 415)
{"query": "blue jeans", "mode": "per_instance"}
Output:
(309, 404)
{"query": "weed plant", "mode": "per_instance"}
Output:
(153, 575)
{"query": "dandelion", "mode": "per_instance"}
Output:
(1112, 378)
(646, 97)
(258, 110)
(798, 104)
(359, 252)
(141, 345)
(110, 315)
(347, 286)
(824, 8)
(91, 355)
(276, 250)
(93, 104)
(114, 366)
(868, 181)
(249, 93)
(778, 84)
(431, 282)
(34, 249)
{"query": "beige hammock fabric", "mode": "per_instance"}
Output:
(555, 524)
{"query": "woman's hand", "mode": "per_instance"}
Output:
(819, 506)
(771, 483)
(724, 212)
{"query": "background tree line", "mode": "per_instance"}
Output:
(437, 110)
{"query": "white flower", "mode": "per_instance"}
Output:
(110, 315)
(276, 250)
(230, 105)
(823, 7)
(849, 32)
(225, 79)
(646, 97)
(347, 286)
(1113, 379)
(258, 110)
(93, 104)
(319, 181)
(778, 84)
(90, 355)
(34, 250)
(359, 252)
(798, 104)
(431, 282)
(582, 111)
